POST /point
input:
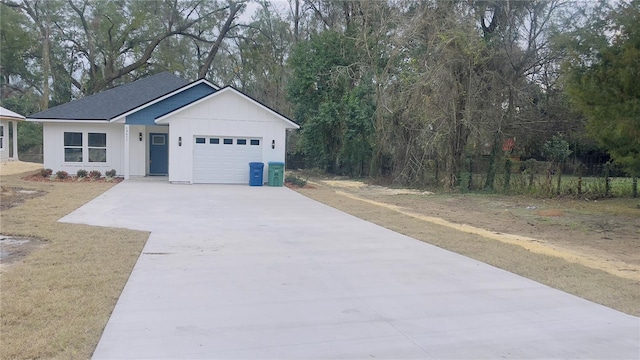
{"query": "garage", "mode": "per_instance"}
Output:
(224, 159)
(212, 140)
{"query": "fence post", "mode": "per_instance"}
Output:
(466, 177)
(579, 168)
(607, 180)
(507, 174)
(532, 167)
(470, 173)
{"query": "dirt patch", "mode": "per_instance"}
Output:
(14, 249)
(362, 187)
(294, 186)
(18, 167)
(590, 249)
(550, 212)
(12, 196)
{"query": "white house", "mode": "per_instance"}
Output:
(9, 134)
(162, 125)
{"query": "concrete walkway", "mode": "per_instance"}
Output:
(239, 272)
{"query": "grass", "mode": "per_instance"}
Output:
(591, 284)
(57, 300)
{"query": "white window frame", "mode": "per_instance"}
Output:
(90, 147)
(84, 146)
(65, 147)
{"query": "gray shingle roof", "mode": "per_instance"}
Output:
(111, 103)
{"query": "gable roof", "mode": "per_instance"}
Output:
(6, 114)
(163, 119)
(165, 96)
(111, 103)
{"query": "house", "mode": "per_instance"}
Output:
(163, 125)
(9, 134)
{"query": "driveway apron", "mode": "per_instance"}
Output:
(239, 272)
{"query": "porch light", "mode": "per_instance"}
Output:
(140, 136)
(179, 140)
(273, 144)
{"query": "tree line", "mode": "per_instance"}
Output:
(413, 90)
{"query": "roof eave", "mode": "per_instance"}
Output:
(11, 118)
(74, 121)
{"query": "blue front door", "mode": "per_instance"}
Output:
(158, 154)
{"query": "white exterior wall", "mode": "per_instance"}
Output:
(137, 153)
(227, 114)
(4, 152)
(53, 147)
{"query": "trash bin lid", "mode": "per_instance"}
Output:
(256, 164)
(276, 163)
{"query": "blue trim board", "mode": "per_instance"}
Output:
(148, 115)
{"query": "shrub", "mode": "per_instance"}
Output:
(82, 173)
(294, 180)
(46, 173)
(95, 174)
(62, 175)
(110, 173)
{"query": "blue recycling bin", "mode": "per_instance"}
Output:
(255, 173)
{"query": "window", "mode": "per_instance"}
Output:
(72, 147)
(255, 142)
(97, 147)
(1, 136)
(158, 140)
(228, 141)
(200, 140)
(214, 141)
(241, 141)
(77, 150)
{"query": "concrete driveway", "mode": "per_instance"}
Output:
(258, 272)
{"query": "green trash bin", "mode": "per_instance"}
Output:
(276, 173)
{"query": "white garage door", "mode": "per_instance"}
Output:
(224, 160)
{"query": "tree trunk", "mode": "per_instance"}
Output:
(234, 8)
(46, 65)
(296, 21)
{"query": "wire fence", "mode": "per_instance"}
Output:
(541, 178)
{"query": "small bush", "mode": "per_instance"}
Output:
(95, 174)
(46, 173)
(294, 180)
(62, 175)
(82, 173)
(110, 173)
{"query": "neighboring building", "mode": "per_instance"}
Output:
(9, 134)
(163, 125)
